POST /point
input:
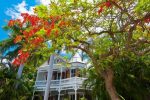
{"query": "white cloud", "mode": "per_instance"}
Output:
(18, 9)
(47, 2)
(21, 7)
(44, 2)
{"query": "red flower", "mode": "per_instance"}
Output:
(100, 10)
(52, 25)
(21, 31)
(16, 62)
(48, 32)
(33, 20)
(18, 22)
(51, 17)
(37, 41)
(17, 39)
(35, 30)
(24, 15)
(11, 23)
(27, 54)
(30, 33)
(58, 17)
(108, 4)
(25, 33)
(23, 56)
(62, 23)
(147, 20)
(56, 33)
(46, 23)
(20, 52)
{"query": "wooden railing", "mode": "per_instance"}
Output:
(62, 84)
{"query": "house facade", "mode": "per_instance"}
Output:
(67, 80)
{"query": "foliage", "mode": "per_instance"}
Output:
(9, 48)
(96, 84)
(83, 98)
(8, 81)
(7, 88)
(143, 5)
(132, 79)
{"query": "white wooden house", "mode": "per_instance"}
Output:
(66, 82)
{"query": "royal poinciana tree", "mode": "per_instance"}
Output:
(104, 30)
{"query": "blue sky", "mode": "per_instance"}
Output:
(11, 9)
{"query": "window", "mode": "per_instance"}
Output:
(54, 75)
(58, 76)
(57, 60)
(73, 72)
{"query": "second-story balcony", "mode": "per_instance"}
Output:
(62, 84)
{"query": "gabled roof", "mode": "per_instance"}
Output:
(76, 58)
(56, 57)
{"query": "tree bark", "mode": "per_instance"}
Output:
(108, 76)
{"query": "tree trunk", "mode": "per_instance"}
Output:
(19, 73)
(110, 88)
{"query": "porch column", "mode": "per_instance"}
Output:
(50, 72)
(37, 76)
(75, 94)
(60, 84)
(75, 89)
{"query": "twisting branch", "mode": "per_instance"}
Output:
(99, 33)
(77, 40)
(143, 52)
(140, 41)
(79, 47)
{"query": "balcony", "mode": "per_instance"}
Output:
(62, 84)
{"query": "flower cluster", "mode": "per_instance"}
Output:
(22, 58)
(147, 20)
(34, 24)
(18, 39)
(37, 40)
(62, 23)
(106, 4)
(33, 32)
(11, 23)
(32, 19)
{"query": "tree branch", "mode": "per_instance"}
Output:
(141, 53)
(77, 40)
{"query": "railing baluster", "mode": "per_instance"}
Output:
(65, 83)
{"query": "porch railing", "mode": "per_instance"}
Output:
(63, 84)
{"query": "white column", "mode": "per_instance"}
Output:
(37, 76)
(75, 88)
(75, 94)
(49, 77)
(60, 84)
(35, 84)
